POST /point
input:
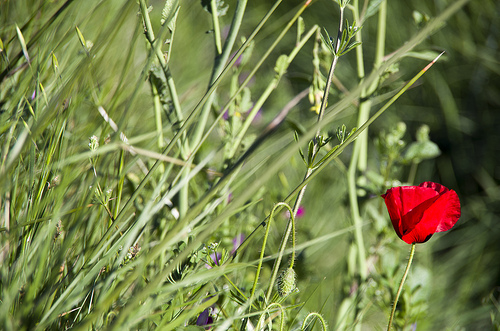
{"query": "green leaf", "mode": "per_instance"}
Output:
(341, 133)
(169, 11)
(23, 43)
(324, 158)
(310, 156)
(327, 41)
(55, 63)
(420, 18)
(419, 151)
(302, 156)
(373, 8)
(81, 37)
(247, 54)
(281, 65)
(301, 26)
(245, 103)
(423, 148)
(173, 21)
(351, 47)
(352, 131)
(424, 55)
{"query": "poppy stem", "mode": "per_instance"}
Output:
(412, 252)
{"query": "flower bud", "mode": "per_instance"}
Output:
(286, 282)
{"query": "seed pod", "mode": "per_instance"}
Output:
(286, 282)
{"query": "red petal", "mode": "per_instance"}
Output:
(401, 202)
(417, 212)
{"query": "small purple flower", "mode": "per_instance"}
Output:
(226, 115)
(237, 241)
(237, 63)
(215, 257)
(204, 318)
(300, 212)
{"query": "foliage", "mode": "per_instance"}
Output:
(149, 175)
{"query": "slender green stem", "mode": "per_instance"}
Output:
(382, 23)
(267, 311)
(220, 62)
(360, 153)
(290, 228)
(410, 259)
(353, 202)
(161, 58)
(312, 315)
(413, 172)
(219, 66)
(119, 189)
(265, 95)
(324, 101)
(282, 249)
(215, 22)
(158, 109)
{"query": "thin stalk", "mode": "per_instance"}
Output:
(309, 170)
(119, 189)
(381, 28)
(267, 311)
(215, 22)
(220, 61)
(366, 102)
(353, 202)
(329, 79)
(413, 172)
(265, 95)
(400, 289)
(360, 152)
(290, 227)
(262, 252)
(312, 315)
(158, 109)
(163, 63)
(219, 66)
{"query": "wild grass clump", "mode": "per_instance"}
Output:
(219, 165)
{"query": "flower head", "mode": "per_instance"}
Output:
(237, 241)
(417, 212)
(205, 318)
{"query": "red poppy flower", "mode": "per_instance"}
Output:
(417, 212)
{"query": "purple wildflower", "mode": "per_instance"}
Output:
(205, 319)
(300, 212)
(237, 241)
(215, 258)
